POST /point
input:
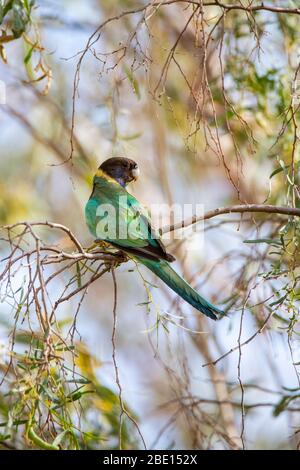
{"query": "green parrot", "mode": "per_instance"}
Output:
(115, 216)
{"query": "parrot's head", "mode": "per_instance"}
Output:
(121, 169)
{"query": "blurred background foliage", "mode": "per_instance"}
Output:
(206, 100)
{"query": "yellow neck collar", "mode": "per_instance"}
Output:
(101, 174)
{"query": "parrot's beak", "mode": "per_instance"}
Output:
(135, 173)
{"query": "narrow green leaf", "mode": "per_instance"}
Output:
(133, 81)
(269, 241)
(29, 54)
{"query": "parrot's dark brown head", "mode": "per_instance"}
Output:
(121, 169)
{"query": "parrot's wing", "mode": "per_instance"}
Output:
(144, 242)
(122, 221)
(141, 238)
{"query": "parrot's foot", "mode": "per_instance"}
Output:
(101, 244)
(122, 257)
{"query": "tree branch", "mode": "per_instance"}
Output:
(252, 8)
(259, 208)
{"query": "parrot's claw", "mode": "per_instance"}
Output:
(122, 257)
(101, 244)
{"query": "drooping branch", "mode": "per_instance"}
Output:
(241, 208)
(155, 6)
(253, 8)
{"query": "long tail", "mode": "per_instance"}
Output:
(167, 274)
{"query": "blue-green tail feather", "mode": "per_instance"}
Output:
(167, 274)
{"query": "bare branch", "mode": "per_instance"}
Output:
(241, 208)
